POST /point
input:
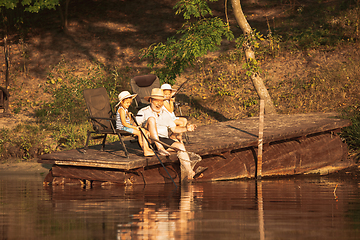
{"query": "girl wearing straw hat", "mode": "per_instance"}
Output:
(123, 121)
(169, 92)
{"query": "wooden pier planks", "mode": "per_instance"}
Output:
(112, 157)
(209, 139)
(243, 133)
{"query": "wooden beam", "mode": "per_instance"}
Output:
(260, 139)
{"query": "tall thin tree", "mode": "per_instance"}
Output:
(250, 57)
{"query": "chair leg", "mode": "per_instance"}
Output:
(123, 145)
(87, 141)
(103, 143)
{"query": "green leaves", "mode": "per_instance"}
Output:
(195, 8)
(33, 6)
(193, 41)
(352, 133)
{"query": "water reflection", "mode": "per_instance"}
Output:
(315, 208)
(260, 209)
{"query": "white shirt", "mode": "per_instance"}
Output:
(172, 114)
(163, 120)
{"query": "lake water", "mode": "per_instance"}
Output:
(289, 208)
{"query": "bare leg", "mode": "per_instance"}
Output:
(151, 126)
(143, 143)
(186, 159)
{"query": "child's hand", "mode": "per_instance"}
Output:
(190, 127)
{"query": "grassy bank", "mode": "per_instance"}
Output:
(306, 67)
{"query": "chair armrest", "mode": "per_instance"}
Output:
(101, 118)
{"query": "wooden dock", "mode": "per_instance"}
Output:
(293, 144)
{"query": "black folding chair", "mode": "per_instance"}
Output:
(102, 117)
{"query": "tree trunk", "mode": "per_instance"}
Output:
(64, 15)
(250, 57)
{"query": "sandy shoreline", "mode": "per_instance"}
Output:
(24, 168)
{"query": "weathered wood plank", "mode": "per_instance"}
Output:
(282, 158)
(89, 174)
(244, 132)
(111, 157)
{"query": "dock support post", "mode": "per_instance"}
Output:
(260, 140)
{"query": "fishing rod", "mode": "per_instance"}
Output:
(177, 104)
(168, 146)
(147, 140)
(178, 89)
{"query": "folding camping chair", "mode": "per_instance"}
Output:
(142, 85)
(102, 117)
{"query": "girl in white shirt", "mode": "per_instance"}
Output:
(169, 106)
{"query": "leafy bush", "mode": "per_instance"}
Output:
(68, 105)
(352, 133)
(23, 142)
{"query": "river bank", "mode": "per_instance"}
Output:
(24, 168)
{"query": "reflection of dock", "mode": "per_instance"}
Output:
(266, 209)
(293, 144)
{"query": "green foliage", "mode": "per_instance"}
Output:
(251, 66)
(4, 138)
(23, 142)
(33, 6)
(195, 8)
(68, 105)
(68, 136)
(323, 26)
(274, 41)
(254, 39)
(313, 38)
(352, 133)
(193, 40)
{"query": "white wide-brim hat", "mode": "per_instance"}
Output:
(123, 95)
(167, 86)
(156, 93)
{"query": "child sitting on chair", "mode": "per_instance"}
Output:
(169, 106)
(123, 121)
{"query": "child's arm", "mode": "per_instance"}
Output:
(123, 119)
(169, 105)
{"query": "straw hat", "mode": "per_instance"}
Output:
(167, 86)
(156, 93)
(123, 95)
